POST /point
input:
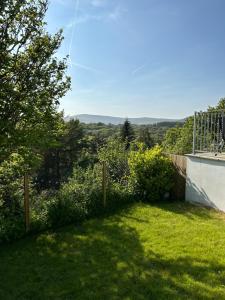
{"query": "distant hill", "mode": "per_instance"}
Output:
(85, 118)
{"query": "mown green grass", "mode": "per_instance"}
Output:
(169, 251)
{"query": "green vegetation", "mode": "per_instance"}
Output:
(131, 174)
(116, 158)
(178, 140)
(145, 137)
(169, 251)
(151, 174)
(143, 252)
(32, 79)
(127, 133)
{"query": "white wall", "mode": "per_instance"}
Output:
(206, 181)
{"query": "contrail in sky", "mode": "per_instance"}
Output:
(84, 67)
(73, 27)
(74, 23)
(138, 69)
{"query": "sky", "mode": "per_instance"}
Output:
(153, 58)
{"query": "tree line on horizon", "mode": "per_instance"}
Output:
(34, 137)
(33, 80)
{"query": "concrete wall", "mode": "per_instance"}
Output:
(205, 183)
(180, 164)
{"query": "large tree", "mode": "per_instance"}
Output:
(127, 133)
(32, 79)
(59, 160)
(146, 137)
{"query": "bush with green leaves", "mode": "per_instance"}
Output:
(116, 158)
(11, 173)
(147, 174)
(118, 195)
(151, 173)
(178, 140)
(11, 227)
(11, 197)
(77, 199)
(82, 197)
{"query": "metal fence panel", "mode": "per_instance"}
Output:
(209, 132)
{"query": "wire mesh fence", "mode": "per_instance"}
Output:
(111, 183)
(21, 200)
(209, 132)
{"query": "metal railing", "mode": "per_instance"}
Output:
(209, 132)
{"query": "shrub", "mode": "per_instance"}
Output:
(39, 206)
(81, 197)
(118, 195)
(11, 198)
(151, 173)
(11, 182)
(77, 199)
(137, 172)
(116, 158)
(11, 226)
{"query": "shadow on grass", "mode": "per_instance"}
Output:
(102, 260)
(186, 209)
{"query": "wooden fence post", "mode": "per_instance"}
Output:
(104, 182)
(26, 202)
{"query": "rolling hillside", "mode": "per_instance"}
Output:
(85, 118)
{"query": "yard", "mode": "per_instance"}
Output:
(169, 251)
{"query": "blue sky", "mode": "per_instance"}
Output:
(129, 58)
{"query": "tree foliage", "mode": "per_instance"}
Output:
(178, 140)
(59, 160)
(146, 137)
(116, 158)
(219, 106)
(32, 79)
(127, 133)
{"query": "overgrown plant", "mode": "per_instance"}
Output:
(77, 199)
(116, 158)
(151, 173)
(11, 197)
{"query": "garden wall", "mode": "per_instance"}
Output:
(205, 182)
(180, 163)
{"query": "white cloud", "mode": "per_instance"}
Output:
(98, 3)
(116, 13)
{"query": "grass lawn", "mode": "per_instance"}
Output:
(169, 251)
